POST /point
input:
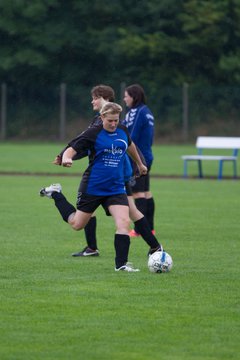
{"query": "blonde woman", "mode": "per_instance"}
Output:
(103, 181)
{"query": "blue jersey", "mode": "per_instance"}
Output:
(105, 173)
(128, 170)
(140, 124)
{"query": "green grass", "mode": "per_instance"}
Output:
(54, 306)
(28, 157)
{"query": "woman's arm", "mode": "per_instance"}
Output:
(68, 155)
(133, 153)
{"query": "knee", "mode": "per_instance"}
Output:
(75, 225)
(135, 215)
(123, 225)
(139, 195)
(128, 222)
(148, 195)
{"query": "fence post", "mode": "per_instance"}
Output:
(185, 115)
(3, 110)
(62, 125)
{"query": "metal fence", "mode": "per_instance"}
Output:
(59, 113)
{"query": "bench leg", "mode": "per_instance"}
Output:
(220, 169)
(234, 169)
(200, 173)
(185, 168)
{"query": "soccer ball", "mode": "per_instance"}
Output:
(160, 262)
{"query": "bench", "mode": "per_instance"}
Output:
(214, 142)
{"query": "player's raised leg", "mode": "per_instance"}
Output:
(75, 218)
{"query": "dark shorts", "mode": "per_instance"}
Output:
(128, 189)
(142, 183)
(89, 203)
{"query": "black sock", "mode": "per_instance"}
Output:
(150, 212)
(90, 233)
(64, 207)
(121, 243)
(141, 204)
(142, 227)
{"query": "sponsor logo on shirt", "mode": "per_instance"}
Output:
(116, 150)
(114, 154)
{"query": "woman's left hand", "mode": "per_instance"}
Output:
(142, 169)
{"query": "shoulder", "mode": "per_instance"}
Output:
(144, 109)
(94, 129)
(123, 127)
(146, 112)
(139, 111)
(95, 122)
(89, 134)
(125, 131)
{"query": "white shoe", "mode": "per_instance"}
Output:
(127, 267)
(47, 191)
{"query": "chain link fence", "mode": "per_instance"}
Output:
(61, 112)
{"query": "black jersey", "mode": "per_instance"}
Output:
(95, 122)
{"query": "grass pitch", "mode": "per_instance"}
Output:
(37, 158)
(54, 306)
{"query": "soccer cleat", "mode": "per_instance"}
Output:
(127, 267)
(86, 252)
(47, 191)
(151, 251)
(133, 233)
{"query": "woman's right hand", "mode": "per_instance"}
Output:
(57, 160)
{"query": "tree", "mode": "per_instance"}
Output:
(45, 42)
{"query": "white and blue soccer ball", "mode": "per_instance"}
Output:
(160, 262)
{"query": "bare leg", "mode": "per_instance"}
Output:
(79, 219)
(120, 213)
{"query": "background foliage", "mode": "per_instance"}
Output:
(158, 44)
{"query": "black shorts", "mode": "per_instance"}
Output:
(142, 183)
(89, 203)
(128, 188)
